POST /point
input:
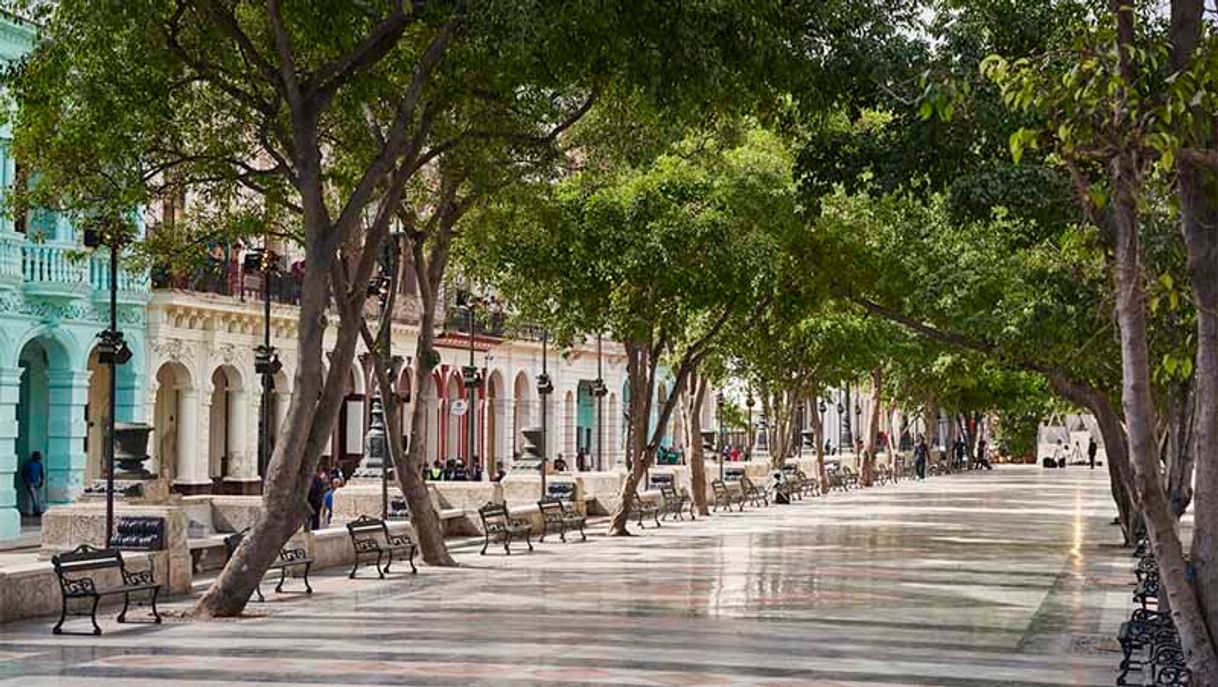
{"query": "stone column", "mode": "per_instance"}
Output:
(66, 428)
(240, 466)
(10, 390)
(191, 473)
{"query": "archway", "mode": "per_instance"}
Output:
(494, 413)
(454, 438)
(348, 438)
(522, 411)
(585, 424)
(405, 379)
(46, 403)
(568, 428)
(611, 437)
(430, 431)
(226, 446)
(97, 408)
(175, 415)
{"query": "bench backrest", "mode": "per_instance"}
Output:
(718, 485)
(366, 525)
(493, 511)
(85, 558)
(550, 506)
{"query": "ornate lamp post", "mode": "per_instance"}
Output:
(472, 381)
(844, 410)
(266, 358)
(544, 388)
(722, 435)
(841, 410)
(112, 351)
(599, 391)
(748, 403)
(799, 435)
(822, 408)
(858, 416)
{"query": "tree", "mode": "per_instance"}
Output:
(670, 255)
(339, 115)
(1130, 105)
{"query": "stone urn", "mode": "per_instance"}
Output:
(131, 450)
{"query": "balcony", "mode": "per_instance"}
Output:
(62, 270)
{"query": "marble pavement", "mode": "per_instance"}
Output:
(1003, 578)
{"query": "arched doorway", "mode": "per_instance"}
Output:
(97, 408)
(430, 432)
(47, 401)
(523, 411)
(405, 406)
(175, 414)
(226, 445)
(612, 413)
(454, 438)
(494, 414)
(348, 438)
(568, 428)
(585, 422)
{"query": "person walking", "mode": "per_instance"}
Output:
(1092, 449)
(33, 476)
(921, 453)
(983, 460)
(327, 502)
(317, 497)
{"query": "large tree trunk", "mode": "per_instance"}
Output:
(693, 424)
(873, 425)
(428, 527)
(1198, 192)
(1138, 404)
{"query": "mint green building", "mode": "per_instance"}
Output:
(53, 304)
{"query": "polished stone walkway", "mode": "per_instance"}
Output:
(1003, 578)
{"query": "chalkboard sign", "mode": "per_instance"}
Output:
(398, 510)
(563, 491)
(733, 474)
(790, 468)
(660, 479)
(139, 533)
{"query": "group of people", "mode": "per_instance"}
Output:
(1061, 457)
(321, 496)
(959, 455)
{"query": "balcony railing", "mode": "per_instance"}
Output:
(227, 278)
(52, 266)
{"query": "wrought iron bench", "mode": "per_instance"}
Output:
(74, 585)
(498, 525)
(726, 496)
(757, 495)
(641, 509)
(807, 485)
(286, 560)
(558, 516)
(373, 543)
(675, 502)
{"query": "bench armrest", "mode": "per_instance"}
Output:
(138, 577)
(400, 540)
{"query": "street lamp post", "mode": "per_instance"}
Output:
(599, 390)
(722, 439)
(841, 409)
(472, 381)
(748, 403)
(822, 408)
(112, 351)
(266, 359)
(799, 434)
(544, 388)
(848, 437)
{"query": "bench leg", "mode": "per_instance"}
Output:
(507, 543)
(582, 536)
(655, 515)
(93, 616)
(389, 559)
(486, 541)
(308, 587)
(410, 560)
(63, 615)
(544, 531)
(122, 615)
(528, 540)
(156, 616)
(379, 571)
(283, 576)
(258, 592)
(354, 568)
(562, 534)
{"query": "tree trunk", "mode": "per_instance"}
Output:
(873, 424)
(693, 423)
(822, 474)
(1198, 191)
(1138, 405)
(1178, 449)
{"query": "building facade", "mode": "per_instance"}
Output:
(54, 300)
